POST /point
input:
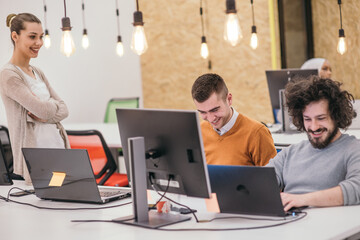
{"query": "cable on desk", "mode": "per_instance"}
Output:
(190, 210)
(300, 216)
(7, 199)
(24, 190)
(162, 195)
(247, 218)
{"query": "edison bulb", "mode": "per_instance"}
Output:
(232, 31)
(67, 43)
(254, 41)
(204, 51)
(85, 41)
(341, 47)
(138, 41)
(119, 49)
(47, 41)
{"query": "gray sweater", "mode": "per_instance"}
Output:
(19, 100)
(301, 168)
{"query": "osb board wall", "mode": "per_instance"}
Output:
(172, 62)
(326, 26)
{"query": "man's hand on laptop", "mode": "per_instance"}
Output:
(292, 200)
(323, 198)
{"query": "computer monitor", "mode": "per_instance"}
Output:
(168, 145)
(277, 79)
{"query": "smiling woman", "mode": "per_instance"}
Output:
(33, 109)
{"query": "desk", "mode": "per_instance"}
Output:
(296, 137)
(25, 222)
(111, 134)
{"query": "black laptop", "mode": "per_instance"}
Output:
(67, 175)
(246, 190)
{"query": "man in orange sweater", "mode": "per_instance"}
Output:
(229, 137)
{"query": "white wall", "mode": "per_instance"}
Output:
(89, 78)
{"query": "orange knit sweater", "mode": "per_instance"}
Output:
(248, 142)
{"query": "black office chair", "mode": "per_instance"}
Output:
(102, 161)
(5, 178)
(8, 157)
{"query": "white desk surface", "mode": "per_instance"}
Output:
(25, 222)
(295, 137)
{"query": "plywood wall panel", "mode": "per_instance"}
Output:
(173, 62)
(326, 26)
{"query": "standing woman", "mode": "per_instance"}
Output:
(33, 109)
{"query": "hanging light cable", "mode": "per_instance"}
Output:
(138, 41)
(119, 44)
(67, 42)
(341, 46)
(204, 50)
(47, 40)
(85, 39)
(232, 31)
(254, 38)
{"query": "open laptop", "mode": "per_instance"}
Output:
(246, 190)
(67, 175)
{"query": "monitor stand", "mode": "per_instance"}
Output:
(141, 215)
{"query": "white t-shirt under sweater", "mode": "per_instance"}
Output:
(47, 134)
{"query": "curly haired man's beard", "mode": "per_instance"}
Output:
(317, 142)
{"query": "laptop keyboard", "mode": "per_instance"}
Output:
(109, 193)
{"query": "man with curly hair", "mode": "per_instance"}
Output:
(324, 170)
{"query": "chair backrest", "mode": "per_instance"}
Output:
(110, 114)
(101, 159)
(5, 177)
(6, 145)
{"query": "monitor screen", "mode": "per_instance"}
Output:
(173, 139)
(277, 79)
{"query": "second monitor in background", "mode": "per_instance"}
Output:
(277, 80)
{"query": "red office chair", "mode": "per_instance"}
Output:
(102, 161)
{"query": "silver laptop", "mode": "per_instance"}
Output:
(67, 175)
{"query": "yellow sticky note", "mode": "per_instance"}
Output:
(212, 204)
(57, 179)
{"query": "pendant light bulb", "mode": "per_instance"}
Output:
(341, 46)
(204, 50)
(119, 47)
(47, 40)
(85, 40)
(67, 42)
(138, 41)
(254, 38)
(232, 30)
